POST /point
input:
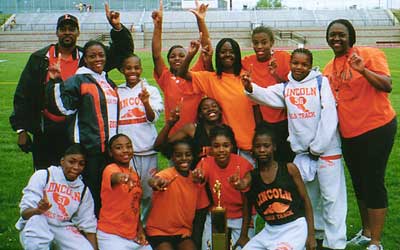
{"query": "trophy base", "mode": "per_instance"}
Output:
(219, 241)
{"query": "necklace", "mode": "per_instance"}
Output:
(341, 77)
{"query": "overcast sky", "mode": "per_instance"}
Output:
(326, 4)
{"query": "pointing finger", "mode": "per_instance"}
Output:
(107, 8)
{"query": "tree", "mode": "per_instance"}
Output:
(268, 4)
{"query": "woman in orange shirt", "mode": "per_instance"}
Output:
(224, 85)
(267, 68)
(360, 80)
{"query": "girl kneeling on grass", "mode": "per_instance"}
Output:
(219, 167)
(175, 200)
(56, 207)
(280, 198)
(119, 225)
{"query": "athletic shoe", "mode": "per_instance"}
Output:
(359, 239)
(375, 247)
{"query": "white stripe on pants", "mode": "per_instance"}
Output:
(108, 241)
(38, 234)
(292, 235)
(328, 196)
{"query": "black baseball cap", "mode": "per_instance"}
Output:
(67, 18)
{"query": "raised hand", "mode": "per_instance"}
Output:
(44, 203)
(207, 51)
(144, 96)
(246, 79)
(123, 178)
(194, 47)
(198, 175)
(356, 62)
(272, 65)
(174, 116)
(55, 69)
(200, 11)
(235, 180)
(113, 17)
(157, 15)
(158, 183)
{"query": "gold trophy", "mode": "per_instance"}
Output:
(220, 239)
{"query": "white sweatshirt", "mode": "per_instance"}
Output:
(65, 197)
(312, 116)
(132, 116)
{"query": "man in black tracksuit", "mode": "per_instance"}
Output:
(30, 113)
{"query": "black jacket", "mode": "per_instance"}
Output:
(29, 97)
(82, 98)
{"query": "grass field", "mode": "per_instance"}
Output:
(16, 167)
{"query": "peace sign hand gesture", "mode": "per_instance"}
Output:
(200, 11)
(113, 17)
(246, 79)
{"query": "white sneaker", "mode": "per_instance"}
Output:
(375, 247)
(359, 239)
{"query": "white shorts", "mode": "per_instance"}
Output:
(108, 241)
(292, 235)
(38, 234)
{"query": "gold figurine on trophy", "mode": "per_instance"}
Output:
(218, 220)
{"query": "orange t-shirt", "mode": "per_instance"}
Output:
(237, 109)
(68, 66)
(120, 205)
(231, 199)
(260, 75)
(361, 107)
(179, 92)
(173, 210)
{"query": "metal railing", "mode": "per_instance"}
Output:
(148, 26)
(324, 23)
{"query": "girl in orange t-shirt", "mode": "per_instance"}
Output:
(119, 225)
(178, 92)
(267, 68)
(224, 85)
(220, 167)
(175, 201)
(360, 80)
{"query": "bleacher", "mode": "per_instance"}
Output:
(35, 30)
